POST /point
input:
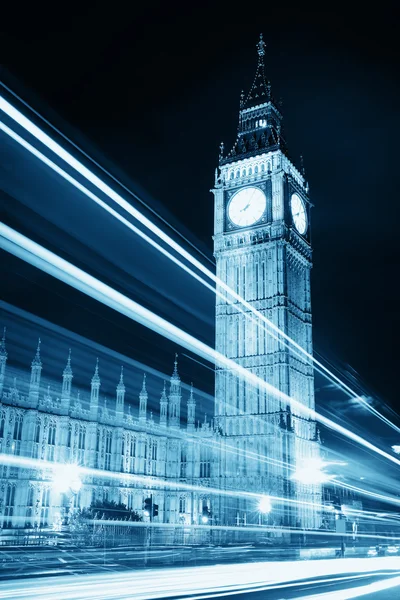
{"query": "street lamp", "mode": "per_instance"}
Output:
(311, 472)
(264, 505)
(66, 480)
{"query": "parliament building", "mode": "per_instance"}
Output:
(257, 437)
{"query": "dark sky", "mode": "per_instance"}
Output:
(154, 91)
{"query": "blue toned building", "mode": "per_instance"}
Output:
(262, 247)
(54, 421)
(257, 439)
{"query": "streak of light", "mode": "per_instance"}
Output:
(188, 581)
(35, 131)
(151, 482)
(99, 166)
(47, 261)
(362, 590)
(79, 186)
(376, 413)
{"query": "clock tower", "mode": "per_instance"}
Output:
(262, 248)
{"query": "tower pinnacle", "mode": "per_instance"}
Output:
(36, 361)
(121, 386)
(261, 46)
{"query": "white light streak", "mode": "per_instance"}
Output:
(35, 131)
(47, 261)
(208, 581)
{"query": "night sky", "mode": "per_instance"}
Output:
(152, 95)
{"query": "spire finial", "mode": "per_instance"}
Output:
(175, 374)
(96, 378)
(144, 391)
(261, 46)
(68, 370)
(120, 386)
(191, 397)
(36, 361)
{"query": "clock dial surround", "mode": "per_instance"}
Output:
(299, 215)
(247, 206)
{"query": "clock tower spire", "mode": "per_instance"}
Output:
(263, 253)
(260, 121)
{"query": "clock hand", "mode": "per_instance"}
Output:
(245, 208)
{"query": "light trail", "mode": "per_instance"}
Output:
(150, 482)
(99, 166)
(127, 223)
(377, 414)
(363, 590)
(200, 581)
(35, 131)
(47, 261)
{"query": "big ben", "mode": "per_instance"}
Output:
(262, 248)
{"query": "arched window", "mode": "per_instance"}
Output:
(51, 440)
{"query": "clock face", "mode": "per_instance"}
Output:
(298, 213)
(247, 206)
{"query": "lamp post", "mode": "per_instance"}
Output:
(310, 472)
(66, 481)
(264, 508)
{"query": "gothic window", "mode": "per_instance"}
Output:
(29, 507)
(257, 279)
(9, 502)
(262, 167)
(122, 454)
(205, 466)
(250, 171)
(243, 282)
(17, 434)
(256, 169)
(231, 175)
(108, 443)
(51, 441)
(237, 174)
(132, 454)
(81, 443)
(182, 504)
(37, 431)
(2, 423)
(154, 451)
(44, 514)
(183, 464)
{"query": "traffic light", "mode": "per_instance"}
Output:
(148, 506)
(155, 510)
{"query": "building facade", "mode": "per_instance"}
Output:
(257, 439)
(54, 422)
(262, 248)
